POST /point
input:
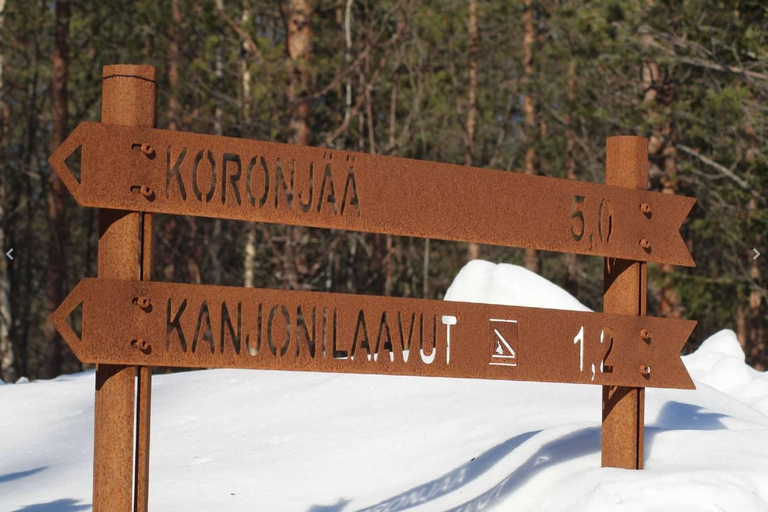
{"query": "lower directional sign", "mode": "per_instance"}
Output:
(167, 324)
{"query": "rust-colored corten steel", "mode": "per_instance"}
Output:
(625, 284)
(130, 170)
(129, 98)
(169, 324)
(150, 170)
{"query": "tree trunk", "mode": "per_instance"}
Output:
(348, 61)
(57, 246)
(756, 327)
(249, 261)
(216, 238)
(299, 45)
(298, 21)
(741, 327)
(7, 360)
(669, 301)
(170, 230)
(173, 69)
(187, 259)
(571, 276)
(368, 85)
(389, 274)
(662, 145)
(27, 278)
(473, 250)
(218, 73)
(529, 109)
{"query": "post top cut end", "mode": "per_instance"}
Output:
(148, 73)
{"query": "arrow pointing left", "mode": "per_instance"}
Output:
(196, 326)
(8, 254)
(178, 173)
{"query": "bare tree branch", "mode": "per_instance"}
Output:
(724, 170)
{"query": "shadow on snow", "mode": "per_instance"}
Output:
(673, 416)
(65, 505)
(19, 474)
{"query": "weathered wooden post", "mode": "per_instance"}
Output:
(129, 98)
(626, 165)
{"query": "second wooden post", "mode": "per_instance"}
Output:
(626, 165)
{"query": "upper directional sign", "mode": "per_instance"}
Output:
(167, 324)
(144, 169)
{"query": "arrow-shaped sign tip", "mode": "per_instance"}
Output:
(58, 161)
(59, 319)
(687, 206)
(690, 325)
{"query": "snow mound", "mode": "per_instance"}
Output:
(719, 363)
(509, 285)
(238, 440)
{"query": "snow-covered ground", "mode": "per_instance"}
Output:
(230, 440)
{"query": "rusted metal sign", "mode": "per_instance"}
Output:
(168, 324)
(144, 169)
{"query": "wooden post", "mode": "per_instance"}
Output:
(625, 286)
(129, 97)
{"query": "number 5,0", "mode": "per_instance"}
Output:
(576, 213)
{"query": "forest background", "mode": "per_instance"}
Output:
(532, 86)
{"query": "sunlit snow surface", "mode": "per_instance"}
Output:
(228, 440)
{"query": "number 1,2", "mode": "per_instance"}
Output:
(606, 335)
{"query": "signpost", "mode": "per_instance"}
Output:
(199, 326)
(131, 170)
(143, 169)
(129, 97)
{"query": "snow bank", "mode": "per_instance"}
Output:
(510, 285)
(719, 363)
(229, 440)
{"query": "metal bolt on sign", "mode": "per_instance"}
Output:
(131, 323)
(147, 150)
(144, 302)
